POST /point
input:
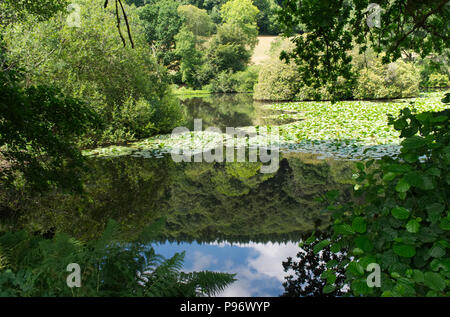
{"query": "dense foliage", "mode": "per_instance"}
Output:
(403, 222)
(33, 265)
(332, 28)
(279, 80)
(102, 73)
(309, 276)
(38, 133)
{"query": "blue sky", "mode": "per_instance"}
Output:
(258, 265)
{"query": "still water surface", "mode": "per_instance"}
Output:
(228, 217)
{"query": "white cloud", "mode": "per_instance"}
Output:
(202, 261)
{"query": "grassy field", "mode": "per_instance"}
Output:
(261, 52)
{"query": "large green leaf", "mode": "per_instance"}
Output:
(400, 213)
(414, 142)
(402, 186)
(359, 225)
(404, 250)
(434, 281)
(413, 226)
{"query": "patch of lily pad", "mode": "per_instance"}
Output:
(347, 130)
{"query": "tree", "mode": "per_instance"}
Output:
(310, 273)
(242, 14)
(90, 63)
(196, 20)
(228, 49)
(334, 27)
(267, 17)
(38, 134)
(40, 123)
(16, 10)
(190, 57)
(161, 22)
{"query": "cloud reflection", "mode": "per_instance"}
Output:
(258, 265)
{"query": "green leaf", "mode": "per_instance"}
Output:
(389, 176)
(343, 229)
(411, 157)
(413, 142)
(400, 213)
(364, 243)
(413, 226)
(434, 211)
(438, 264)
(360, 287)
(445, 224)
(418, 276)
(434, 281)
(329, 289)
(402, 186)
(359, 225)
(336, 247)
(404, 250)
(331, 264)
(311, 238)
(319, 246)
(437, 252)
(356, 268)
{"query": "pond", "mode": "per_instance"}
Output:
(227, 216)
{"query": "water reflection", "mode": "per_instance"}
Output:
(200, 201)
(258, 265)
(229, 110)
(228, 217)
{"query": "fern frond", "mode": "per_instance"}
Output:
(208, 283)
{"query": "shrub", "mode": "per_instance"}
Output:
(223, 83)
(277, 81)
(437, 80)
(402, 80)
(247, 79)
(395, 80)
(228, 82)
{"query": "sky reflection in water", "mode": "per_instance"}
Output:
(258, 265)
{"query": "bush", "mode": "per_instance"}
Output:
(277, 81)
(223, 83)
(378, 81)
(247, 79)
(402, 80)
(228, 82)
(437, 80)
